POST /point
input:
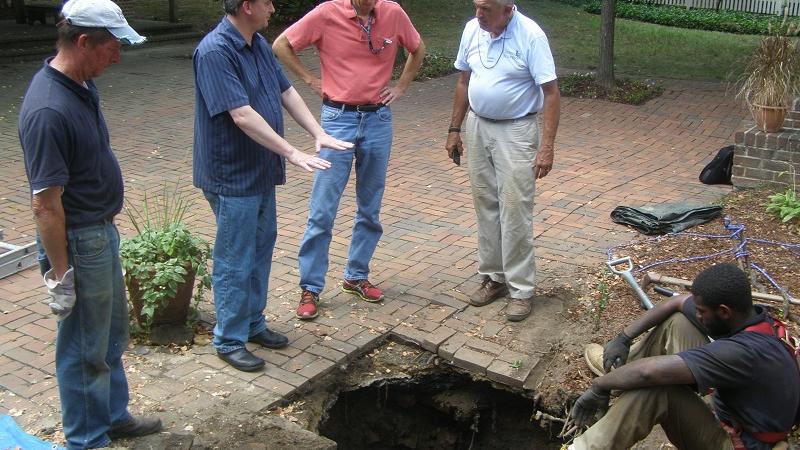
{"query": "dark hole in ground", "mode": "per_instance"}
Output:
(440, 411)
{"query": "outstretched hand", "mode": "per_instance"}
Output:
(307, 162)
(590, 406)
(328, 141)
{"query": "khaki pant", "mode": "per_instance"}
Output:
(688, 421)
(501, 155)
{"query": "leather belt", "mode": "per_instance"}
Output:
(502, 120)
(370, 107)
(92, 224)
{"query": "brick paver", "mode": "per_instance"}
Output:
(606, 154)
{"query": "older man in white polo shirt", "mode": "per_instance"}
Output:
(507, 78)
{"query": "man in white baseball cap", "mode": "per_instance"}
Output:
(76, 191)
(101, 14)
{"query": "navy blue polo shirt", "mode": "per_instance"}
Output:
(229, 74)
(756, 382)
(65, 143)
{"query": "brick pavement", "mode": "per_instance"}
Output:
(606, 154)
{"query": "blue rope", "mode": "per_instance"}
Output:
(769, 278)
(739, 251)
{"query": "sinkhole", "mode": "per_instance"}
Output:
(445, 410)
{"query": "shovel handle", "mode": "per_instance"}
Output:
(665, 291)
(612, 265)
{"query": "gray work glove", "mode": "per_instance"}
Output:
(615, 353)
(62, 293)
(591, 405)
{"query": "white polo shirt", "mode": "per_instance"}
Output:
(508, 88)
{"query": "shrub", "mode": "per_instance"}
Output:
(434, 65)
(678, 16)
(633, 92)
(164, 252)
(287, 12)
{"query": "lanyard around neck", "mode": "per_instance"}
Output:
(367, 29)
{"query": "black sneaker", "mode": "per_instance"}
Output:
(136, 426)
(270, 339)
(242, 359)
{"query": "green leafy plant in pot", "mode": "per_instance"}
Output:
(771, 76)
(163, 261)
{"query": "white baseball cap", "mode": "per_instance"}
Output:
(101, 14)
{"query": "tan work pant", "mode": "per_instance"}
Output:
(687, 420)
(501, 155)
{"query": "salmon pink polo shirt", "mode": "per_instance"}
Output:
(351, 73)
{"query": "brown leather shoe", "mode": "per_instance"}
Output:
(488, 292)
(519, 308)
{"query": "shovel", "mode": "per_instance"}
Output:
(628, 276)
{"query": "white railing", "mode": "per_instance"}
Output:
(753, 6)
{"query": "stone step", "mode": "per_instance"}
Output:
(24, 41)
(35, 49)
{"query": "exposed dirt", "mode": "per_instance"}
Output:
(563, 374)
(568, 375)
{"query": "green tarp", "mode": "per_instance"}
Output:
(664, 218)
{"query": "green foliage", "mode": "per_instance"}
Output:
(771, 76)
(632, 92)
(434, 65)
(164, 251)
(288, 11)
(602, 302)
(678, 16)
(785, 205)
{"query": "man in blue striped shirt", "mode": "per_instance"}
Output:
(239, 156)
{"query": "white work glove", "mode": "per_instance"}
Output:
(62, 293)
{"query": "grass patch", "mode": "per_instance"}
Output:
(632, 92)
(641, 49)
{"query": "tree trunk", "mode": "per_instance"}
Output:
(605, 71)
(173, 15)
(19, 11)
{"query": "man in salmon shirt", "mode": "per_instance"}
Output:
(357, 42)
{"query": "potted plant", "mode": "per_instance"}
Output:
(163, 261)
(771, 77)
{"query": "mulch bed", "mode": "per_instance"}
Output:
(746, 207)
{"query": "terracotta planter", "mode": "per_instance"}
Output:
(175, 312)
(769, 118)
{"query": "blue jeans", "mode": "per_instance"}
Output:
(371, 132)
(91, 340)
(246, 231)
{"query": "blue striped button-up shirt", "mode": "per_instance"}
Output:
(230, 74)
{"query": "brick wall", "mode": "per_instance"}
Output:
(127, 8)
(768, 158)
